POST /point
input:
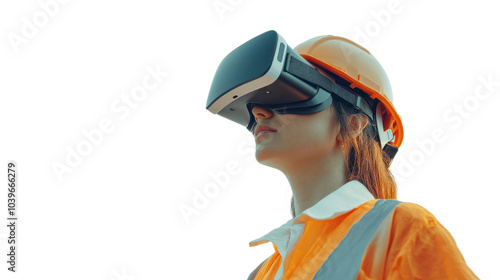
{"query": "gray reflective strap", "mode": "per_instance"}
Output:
(344, 262)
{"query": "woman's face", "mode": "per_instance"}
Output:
(299, 137)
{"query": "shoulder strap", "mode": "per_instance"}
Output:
(344, 262)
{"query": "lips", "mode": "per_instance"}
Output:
(263, 127)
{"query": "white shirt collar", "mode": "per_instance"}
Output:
(349, 196)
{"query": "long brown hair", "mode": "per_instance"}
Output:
(363, 156)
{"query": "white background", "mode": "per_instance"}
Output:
(116, 213)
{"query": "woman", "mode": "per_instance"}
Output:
(347, 223)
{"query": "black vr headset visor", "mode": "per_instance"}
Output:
(267, 71)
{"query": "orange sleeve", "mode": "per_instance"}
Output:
(421, 248)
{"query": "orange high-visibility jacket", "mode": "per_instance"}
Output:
(351, 235)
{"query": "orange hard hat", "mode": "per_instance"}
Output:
(361, 70)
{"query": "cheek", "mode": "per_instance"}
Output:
(311, 133)
(286, 120)
(321, 134)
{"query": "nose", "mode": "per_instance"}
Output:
(261, 112)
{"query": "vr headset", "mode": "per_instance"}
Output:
(267, 71)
